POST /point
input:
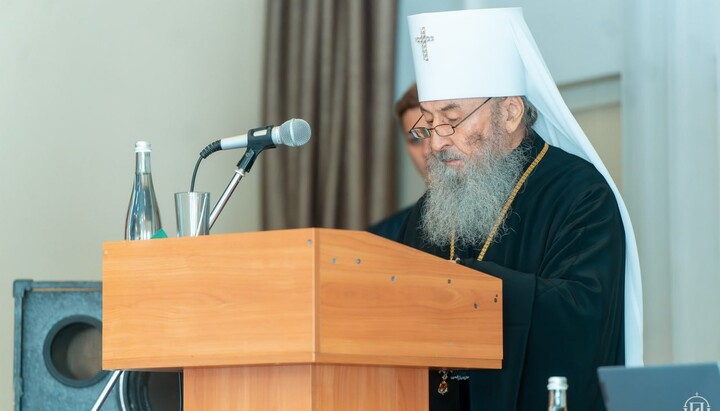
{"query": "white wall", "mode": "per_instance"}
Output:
(80, 82)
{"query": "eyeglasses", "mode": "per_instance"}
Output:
(442, 130)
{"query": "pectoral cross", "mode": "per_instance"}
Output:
(424, 39)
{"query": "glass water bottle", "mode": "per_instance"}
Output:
(557, 394)
(143, 215)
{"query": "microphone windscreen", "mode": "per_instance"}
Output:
(295, 132)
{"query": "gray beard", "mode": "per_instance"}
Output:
(469, 200)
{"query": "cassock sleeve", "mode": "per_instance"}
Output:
(566, 318)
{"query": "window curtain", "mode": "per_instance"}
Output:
(330, 62)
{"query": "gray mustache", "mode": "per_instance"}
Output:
(447, 156)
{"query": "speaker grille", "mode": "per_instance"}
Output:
(58, 350)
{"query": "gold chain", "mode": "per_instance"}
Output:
(505, 209)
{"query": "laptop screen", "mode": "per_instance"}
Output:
(687, 387)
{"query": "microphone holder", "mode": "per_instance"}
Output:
(243, 166)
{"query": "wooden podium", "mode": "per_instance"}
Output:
(306, 319)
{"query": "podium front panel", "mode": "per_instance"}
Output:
(208, 301)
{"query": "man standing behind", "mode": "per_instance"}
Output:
(407, 110)
(545, 218)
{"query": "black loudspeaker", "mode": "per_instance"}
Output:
(58, 350)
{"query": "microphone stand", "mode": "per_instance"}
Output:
(116, 374)
(254, 148)
(239, 174)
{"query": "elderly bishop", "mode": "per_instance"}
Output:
(517, 191)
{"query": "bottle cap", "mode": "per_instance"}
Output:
(557, 383)
(143, 147)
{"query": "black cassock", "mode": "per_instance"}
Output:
(562, 262)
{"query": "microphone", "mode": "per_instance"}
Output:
(294, 132)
